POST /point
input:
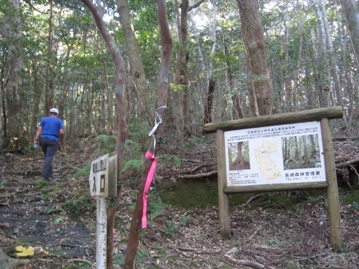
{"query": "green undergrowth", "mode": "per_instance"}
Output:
(195, 194)
(79, 204)
(351, 198)
(198, 194)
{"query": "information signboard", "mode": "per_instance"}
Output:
(281, 154)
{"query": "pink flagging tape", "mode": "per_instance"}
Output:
(149, 179)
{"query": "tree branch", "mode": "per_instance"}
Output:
(196, 5)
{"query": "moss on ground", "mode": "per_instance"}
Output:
(351, 198)
(198, 194)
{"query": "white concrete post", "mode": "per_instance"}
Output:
(101, 234)
(103, 184)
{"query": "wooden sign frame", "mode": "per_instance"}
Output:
(323, 115)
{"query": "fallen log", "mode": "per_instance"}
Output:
(200, 175)
(347, 163)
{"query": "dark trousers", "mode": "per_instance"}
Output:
(49, 147)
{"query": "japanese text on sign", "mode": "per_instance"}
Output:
(291, 153)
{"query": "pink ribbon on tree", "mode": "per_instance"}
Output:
(149, 179)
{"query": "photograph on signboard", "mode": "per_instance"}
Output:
(301, 152)
(289, 153)
(239, 155)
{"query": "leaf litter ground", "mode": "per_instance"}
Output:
(60, 217)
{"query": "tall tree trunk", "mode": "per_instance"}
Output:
(13, 99)
(36, 99)
(300, 53)
(324, 75)
(211, 81)
(110, 122)
(202, 91)
(351, 13)
(253, 37)
(49, 85)
(287, 78)
(209, 104)
(181, 79)
(236, 99)
(184, 107)
(137, 71)
(313, 92)
(347, 82)
(135, 227)
(328, 46)
(120, 86)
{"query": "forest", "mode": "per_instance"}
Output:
(132, 77)
(53, 56)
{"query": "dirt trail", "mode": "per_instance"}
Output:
(32, 214)
(31, 222)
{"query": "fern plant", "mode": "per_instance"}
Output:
(107, 143)
(83, 171)
(156, 206)
(176, 161)
(135, 165)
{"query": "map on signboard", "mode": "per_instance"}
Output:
(277, 154)
(263, 156)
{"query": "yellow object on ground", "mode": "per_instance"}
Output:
(24, 252)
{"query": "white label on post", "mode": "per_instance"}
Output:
(98, 179)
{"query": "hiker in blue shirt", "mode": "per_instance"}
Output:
(51, 130)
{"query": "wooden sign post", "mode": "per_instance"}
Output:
(103, 182)
(260, 154)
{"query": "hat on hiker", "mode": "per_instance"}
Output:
(54, 110)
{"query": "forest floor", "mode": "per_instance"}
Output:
(268, 230)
